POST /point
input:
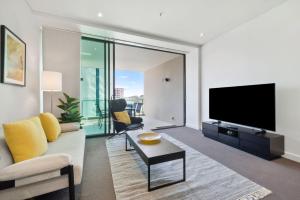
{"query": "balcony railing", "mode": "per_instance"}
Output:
(89, 108)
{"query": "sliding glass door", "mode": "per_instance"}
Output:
(96, 85)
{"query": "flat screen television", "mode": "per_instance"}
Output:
(251, 105)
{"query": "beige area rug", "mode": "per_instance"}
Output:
(206, 178)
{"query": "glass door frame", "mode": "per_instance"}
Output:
(110, 56)
(166, 51)
(109, 48)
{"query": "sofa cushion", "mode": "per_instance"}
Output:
(51, 126)
(72, 143)
(5, 156)
(26, 139)
(69, 127)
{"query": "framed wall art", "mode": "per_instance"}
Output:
(13, 58)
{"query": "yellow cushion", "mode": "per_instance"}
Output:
(26, 139)
(51, 126)
(123, 117)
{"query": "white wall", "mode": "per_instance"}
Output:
(193, 108)
(61, 53)
(263, 50)
(164, 100)
(21, 102)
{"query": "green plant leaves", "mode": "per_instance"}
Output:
(71, 109)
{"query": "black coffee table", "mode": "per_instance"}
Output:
(156, 153)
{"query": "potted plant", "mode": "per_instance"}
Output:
(70, 117)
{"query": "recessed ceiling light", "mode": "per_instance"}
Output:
(100, 14)
(201, 34)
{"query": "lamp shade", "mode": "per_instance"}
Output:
(51, 81)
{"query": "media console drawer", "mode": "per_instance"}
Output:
(210, 133)
(209, 126)
(232, 141)
(210, 130)
(254, 138)
(263, 149)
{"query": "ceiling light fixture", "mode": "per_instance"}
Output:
(100, 14)
(201, 34)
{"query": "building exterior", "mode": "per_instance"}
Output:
(119, 93)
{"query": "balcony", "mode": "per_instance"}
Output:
(96, 117)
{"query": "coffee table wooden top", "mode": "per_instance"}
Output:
(155, 153)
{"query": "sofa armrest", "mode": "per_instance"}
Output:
(35, 166)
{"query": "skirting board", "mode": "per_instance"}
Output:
(192, 126)
(292, 156)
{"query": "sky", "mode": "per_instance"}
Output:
(131, 81)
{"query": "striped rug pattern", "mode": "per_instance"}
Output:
(206, 179)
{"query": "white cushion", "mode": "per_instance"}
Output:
(68, 127)
(6, 158)
(72, 143)
(35, 166)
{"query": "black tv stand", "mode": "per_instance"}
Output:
(260, 132)
(217, 122)
(232, 127)
(258, 142)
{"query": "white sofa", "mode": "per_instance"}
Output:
(46, 173)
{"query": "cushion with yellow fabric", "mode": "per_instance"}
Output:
(51, 126)
(25, 139)
(123, 117)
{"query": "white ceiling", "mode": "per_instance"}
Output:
(140, 59)
(126, 57)
(181, 20)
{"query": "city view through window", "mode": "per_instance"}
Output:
(130, 86)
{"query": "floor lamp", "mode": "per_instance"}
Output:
(51, 82)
